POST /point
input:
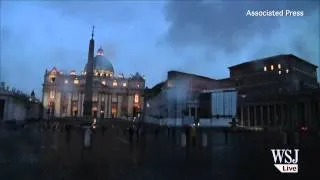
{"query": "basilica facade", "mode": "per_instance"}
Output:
(113, 94)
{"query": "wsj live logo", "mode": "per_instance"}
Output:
(286, 160)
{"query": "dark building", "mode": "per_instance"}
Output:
(278, 91)
(275, 92)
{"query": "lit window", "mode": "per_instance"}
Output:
(124, 84)
(114, 83)
(136, 98)
(279, 66)
(97, 73)
(279, 72)
(52, 94)
(103, 83)
(265, 68)
(138, 85)
(272, 67)
(66, 81)
(287, 70)
(76, 81)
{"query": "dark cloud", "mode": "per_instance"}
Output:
(224, 23)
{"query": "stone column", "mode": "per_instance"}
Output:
(189, 113)
(255, 115)
(69, 104)
(57, 104)
(275, 115)
(282, 115)
(241, 116)
(106, 100)
(307, 113)
(99, 104)
(79, 104)
(249, 117)
(268, 115)
(119, 101)
(109, 105)
(130, 104)
(261, 116)
(45, 99)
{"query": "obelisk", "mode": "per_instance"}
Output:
(87, 104)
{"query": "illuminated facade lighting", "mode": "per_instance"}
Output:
(136, 98)
(114, 83)
(76, 81)
(279, 72)
(72, 73)
(52, 93)
(103, 83)
(272, 67)
(265, 68)
(124, 84)
(287, 70)
(279, 66)
(66, 81)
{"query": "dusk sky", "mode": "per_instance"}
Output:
(201, 37)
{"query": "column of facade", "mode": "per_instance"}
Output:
(308, 112)
(275, 115)
(78, 104)
(255, 115)
(69, 104)
(282, 115)
(249, 117)
(109, 105)
(81, 104)
(130, 105)
(57, 104)
(261, 116)
(295, 117)
(119, 103)
(268, 115)
(241, 116)
(106, 100)
(98, 104)
(189, 112)
(45, 99)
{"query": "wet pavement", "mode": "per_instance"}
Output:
(33, 154)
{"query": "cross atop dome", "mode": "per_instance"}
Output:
(100, 51)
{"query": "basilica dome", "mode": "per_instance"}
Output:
(101, 63)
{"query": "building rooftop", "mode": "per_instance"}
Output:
(271, 58)
(189, 74)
